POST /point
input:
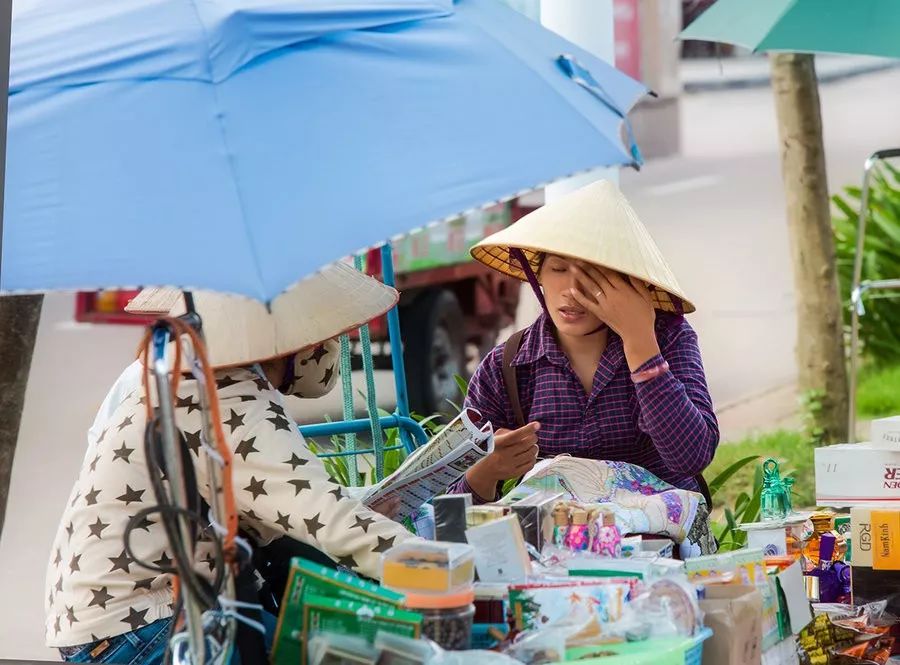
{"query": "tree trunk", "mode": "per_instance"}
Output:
(820, 347)
(19, 317)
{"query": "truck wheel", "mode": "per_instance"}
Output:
(434, 352)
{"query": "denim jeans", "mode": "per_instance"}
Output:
(145, 646)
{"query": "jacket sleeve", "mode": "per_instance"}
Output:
(280, 485)
(676, 410)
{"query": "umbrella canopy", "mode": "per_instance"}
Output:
(867, 27)
(239, 145)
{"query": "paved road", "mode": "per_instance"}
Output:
(717, 211)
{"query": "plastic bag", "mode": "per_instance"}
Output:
(548, 644)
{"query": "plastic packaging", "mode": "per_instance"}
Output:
(548, 645)
(395, 650)
(667, 608)
(336, 649)
(429, 567)
(713, 568)
(446, 618)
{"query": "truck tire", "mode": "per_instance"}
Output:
(434, 352)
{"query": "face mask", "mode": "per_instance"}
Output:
(308, 375)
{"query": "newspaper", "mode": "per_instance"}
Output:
(430, 469)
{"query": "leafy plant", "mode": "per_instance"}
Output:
(811, 411)
(745, 509)
(463, 386)
(338, 467)
(880, 327)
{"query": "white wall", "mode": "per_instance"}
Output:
(73, 366)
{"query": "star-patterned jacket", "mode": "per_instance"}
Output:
(94, 590)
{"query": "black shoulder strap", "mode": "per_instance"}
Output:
(510, 349)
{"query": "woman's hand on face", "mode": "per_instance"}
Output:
(623, 303)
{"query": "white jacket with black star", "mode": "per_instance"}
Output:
(94, 590)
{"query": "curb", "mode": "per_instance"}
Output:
(757, 81)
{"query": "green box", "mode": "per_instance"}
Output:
(349, 617)
(307, 578)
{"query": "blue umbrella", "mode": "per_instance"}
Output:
(239, 145)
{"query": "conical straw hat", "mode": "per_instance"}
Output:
(240, 331)
(595, 224)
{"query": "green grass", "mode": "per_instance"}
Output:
(879, 393)
(792, 451)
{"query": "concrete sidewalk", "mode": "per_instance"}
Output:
(707, 74)
(772, 410)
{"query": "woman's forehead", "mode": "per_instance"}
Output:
(558, 258)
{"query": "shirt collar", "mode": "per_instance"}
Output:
(540, 342)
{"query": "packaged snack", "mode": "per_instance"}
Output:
(537, 604)
(718, 568)
(308, 578)
(424, 566)
(347, 617)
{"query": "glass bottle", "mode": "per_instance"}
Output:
(823, 522)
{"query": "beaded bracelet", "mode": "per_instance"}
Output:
(644, 375)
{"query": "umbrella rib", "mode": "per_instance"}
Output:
(220, 115)
(787, 9)
(581, 116)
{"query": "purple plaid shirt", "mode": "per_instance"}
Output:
(665, 425)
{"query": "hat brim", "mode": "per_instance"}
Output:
(497, 257)
(595, 224)
(239, 331)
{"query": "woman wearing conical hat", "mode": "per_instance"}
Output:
(610, 370)
(102, 605)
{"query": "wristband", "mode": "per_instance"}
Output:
(645, 375)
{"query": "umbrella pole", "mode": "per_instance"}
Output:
(214, 472)
(175, 472)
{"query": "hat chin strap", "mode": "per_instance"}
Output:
(520, 257)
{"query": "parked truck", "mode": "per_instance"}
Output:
(451, 307)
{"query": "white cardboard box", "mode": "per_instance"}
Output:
(850, 474)
(886, 433)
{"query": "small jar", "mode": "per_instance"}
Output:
(446, 618)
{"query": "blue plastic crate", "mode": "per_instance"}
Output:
(694, 654)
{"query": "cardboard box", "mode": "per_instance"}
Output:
(861, 536)
(500, 553)
(307, 578)
(347, 617)
(886, 433)
(734, 613)
(857, 473)
(886, 539)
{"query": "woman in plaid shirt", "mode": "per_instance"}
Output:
(610, 370)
